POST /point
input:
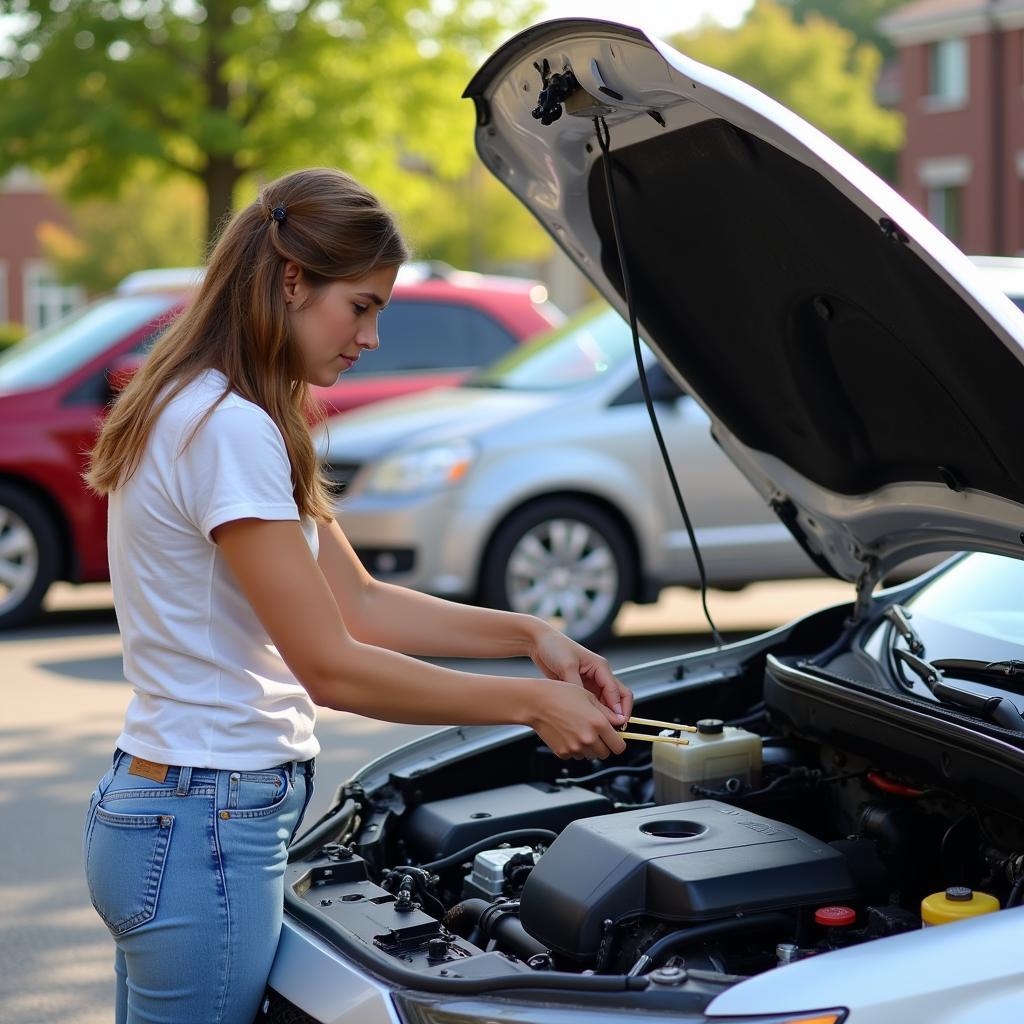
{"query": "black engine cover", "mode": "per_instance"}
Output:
(686, 862)
(441, 827)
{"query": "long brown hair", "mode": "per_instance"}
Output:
(334, 229)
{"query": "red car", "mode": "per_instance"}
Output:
(55, 386)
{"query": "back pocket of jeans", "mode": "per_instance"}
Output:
(124, 866)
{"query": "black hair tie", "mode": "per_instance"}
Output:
(279, 214)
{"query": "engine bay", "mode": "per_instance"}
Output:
(793, 837)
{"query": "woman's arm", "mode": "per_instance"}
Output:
(404, 620)
(290, 595)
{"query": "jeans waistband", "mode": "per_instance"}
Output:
(182, 774)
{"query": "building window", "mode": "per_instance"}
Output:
(944, 179)
(47, 299)
(945, 207)
(947, 72)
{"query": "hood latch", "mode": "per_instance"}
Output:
(560, 91)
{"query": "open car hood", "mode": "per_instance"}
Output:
(853, 362)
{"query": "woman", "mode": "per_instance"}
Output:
(242, 605)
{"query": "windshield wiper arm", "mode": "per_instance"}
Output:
(900, 618)
(1000, 673)
(991, 707)
(924, 670)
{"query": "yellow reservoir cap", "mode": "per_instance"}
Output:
(956, 904)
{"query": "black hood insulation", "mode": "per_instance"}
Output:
(844, 355)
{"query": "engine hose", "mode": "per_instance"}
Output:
(626, 769)
(708, 930)
(490, 843)
(421, 879)
(1013, 900)
(757, 712)
(324, 832)
(496, 921)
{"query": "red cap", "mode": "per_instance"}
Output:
(835, 917)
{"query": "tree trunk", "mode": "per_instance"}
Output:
(220, 174)
(219, 178)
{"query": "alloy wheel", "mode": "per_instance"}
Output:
(565, 571)
(19, 559)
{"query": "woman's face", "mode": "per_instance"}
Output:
(337, 324)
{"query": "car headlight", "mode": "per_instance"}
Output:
(475, 1010)
(421, 469)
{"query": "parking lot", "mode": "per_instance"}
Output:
(64, 695)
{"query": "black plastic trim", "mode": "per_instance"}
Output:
(921, 741)
(381, 965)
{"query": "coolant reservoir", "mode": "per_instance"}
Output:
(955, 904)
(715, 754)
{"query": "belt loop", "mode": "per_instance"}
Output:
(117, 758)
(184, 780)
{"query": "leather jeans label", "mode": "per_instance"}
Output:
(148, 769)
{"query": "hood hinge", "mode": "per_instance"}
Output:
(865, 587)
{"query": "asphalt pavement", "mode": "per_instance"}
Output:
(64, 694)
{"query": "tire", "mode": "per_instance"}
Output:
(564, 560)
(29, 555)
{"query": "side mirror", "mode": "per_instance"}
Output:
(663, 387)
(120, 373)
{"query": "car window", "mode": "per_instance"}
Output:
(580, 351)
(95, 389)
(977, 601)
(433, 336)
(52, 353)
(971, 610)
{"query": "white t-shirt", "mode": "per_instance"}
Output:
(210, 689)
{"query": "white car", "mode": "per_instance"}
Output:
(854, 775)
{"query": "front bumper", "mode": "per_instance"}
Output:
(429, 542)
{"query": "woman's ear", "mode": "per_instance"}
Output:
(293, 284)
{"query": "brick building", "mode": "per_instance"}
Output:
(30, 292)
(962, 92)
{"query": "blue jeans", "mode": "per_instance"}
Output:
(187, 873)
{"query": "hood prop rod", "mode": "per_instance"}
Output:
(604, 141)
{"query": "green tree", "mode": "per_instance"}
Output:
(471, 221)
(224, 89)
(861, 18)
(817, 69)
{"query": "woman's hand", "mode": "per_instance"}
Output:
(558, 657)
(574, 723)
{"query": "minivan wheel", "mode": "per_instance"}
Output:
(563, 560)
(29, 551)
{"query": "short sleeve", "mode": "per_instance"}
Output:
(235, 467)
